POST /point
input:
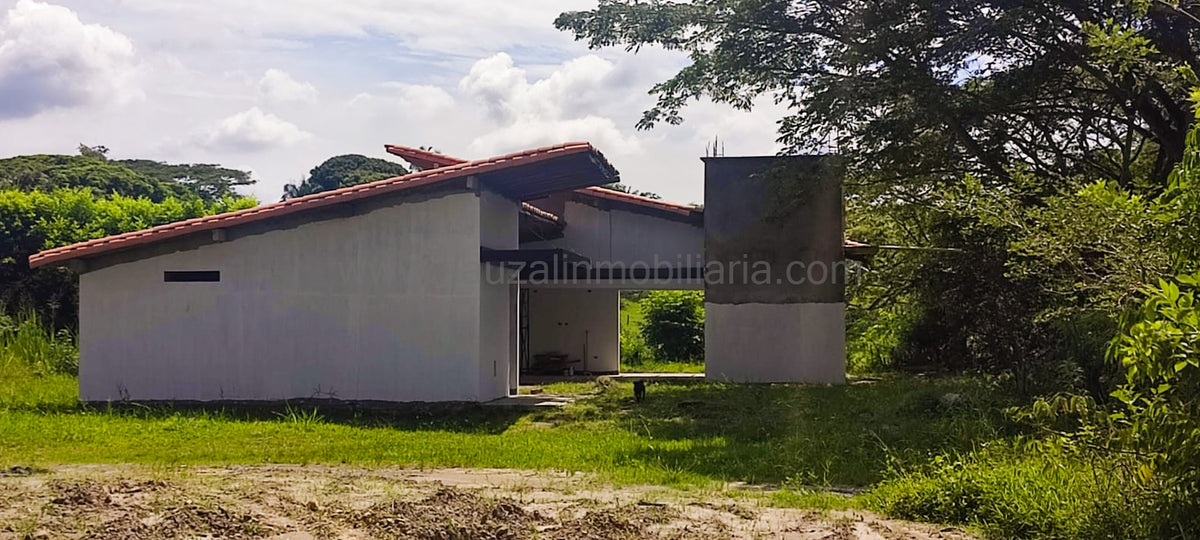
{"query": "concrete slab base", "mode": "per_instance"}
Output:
(530, 401)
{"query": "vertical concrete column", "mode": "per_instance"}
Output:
(774, 271)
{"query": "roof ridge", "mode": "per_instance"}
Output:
(426, 159)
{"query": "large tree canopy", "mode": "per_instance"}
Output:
(102, 177)
(935, 88)
(341, 171)
(210, 182)
(48, 201)
(131, 178)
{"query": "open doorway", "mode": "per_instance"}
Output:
(570, 331)
(661, 331)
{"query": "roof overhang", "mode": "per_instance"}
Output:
(523, 182)
(591, 194)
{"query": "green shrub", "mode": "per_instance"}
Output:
(674, 329)
(29, 343)
(1010, 491)
(634, 351)
(31, 221)
(1160, 423)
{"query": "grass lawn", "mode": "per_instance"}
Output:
(654, 366)
(685, 434)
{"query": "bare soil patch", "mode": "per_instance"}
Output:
(303, 502)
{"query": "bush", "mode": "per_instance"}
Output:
(36, 220)
(1160, 423)
(634, 351)
(1010, 491)
(30, 344)
(674, 329)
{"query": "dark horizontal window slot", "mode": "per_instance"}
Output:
(192, 275)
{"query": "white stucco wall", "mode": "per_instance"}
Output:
(384, 306)
(626, 237)
(569, 320)
(775, 342)
(498, 229)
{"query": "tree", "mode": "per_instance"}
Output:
(208, 181)
(341, 171)
(31, 221)
(101, 176)
(674, 327)
(920, 91)
(48, 201)
(97, 152)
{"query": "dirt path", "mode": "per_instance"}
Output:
(302, 502)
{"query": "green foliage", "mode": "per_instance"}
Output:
(634, 351)
(135, 178)
(1016, 491)
(1060, 262)
(674, 327)
(874, 339)
(31, 221)
(636, 355)
(1160, 353)
(28, 344)
(97, 152)
(342, 171)
(921, 91)
(626, 189)
(100, 176)
(209, 182)
(796, 436)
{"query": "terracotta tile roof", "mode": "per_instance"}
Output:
(614, 195)
(317, 200)
(539, 212)
(422, 158)
(417, 157)
(427, 159)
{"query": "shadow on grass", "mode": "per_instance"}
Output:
(800, 435)
(791, 435)
(21, 391)
(459, 417)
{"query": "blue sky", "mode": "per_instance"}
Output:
(276, 87)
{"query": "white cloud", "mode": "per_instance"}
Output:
(410, 64)
(601, 132)
(508, 95)
(276, 86)
(250, 131)
(422, 100)
(559, 107)
(461, 27)
(50, 59)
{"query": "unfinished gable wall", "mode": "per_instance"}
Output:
(383, 305)
(624, 237)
